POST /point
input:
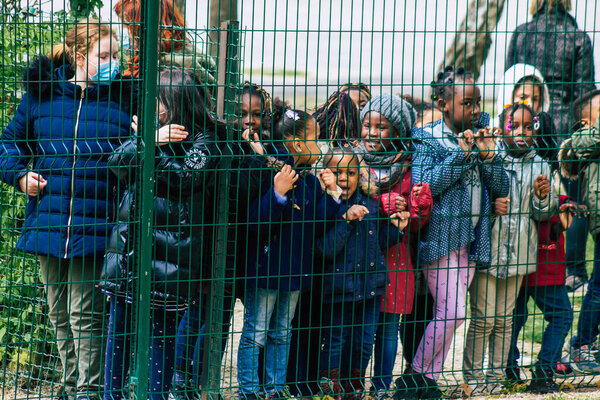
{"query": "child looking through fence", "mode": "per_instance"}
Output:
(463, 184)
(181, 241)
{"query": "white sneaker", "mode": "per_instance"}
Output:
(582, 360)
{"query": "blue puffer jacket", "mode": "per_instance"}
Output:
(281, 237)
(450, 224)
(354, 263)
(68, 135)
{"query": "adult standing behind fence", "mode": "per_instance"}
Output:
(55, 149)
(553, 43)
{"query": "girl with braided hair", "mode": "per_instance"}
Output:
(465, 177)
(338, 119)
(358, 92)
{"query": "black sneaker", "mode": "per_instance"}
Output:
(408, 385)
(431, 390)
(513, 376)
(542, 382)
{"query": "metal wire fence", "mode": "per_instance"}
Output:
(270, 200)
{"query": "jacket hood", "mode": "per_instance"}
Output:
(513, 75)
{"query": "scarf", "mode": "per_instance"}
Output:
(394, 162)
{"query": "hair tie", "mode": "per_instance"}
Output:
(536, 123)
(509, 124)
(292, 115)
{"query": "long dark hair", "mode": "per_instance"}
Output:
(186, 100)
(338, 119)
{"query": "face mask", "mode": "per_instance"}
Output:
(105, 73)
(126, 43)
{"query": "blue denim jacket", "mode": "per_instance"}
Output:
(450, 224)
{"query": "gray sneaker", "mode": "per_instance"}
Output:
(581, 360)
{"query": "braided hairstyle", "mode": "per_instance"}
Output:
(361, 87)
(266, 104)
(338, 119)
(443, 87)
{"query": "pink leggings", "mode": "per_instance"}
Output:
(448, 279)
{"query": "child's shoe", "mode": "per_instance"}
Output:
(582, 360)
(542, 382)
(563, 369)
(430, 391)
(329, 381)
(356, 386)
(408, 385)
(513, 376)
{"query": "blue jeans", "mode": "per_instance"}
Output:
(268, 315)
(348, 335)
(118, 345)
(557, 311)
(189, 351)
(386, 347)
(576, 235)
(589, 317)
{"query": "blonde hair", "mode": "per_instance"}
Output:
(79, 40)
(536, 5)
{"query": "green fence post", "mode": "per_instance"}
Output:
(149, 71)
(226, 93)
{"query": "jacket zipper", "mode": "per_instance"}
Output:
(73, 174)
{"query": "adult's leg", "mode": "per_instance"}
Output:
(386, 347)
(278, 341)
(258, 309)
(87, 316)
(448, 280)
(576, 236)
(482, 300)
(118, 344)
(55, 276)
(589, 317)
(554, 303)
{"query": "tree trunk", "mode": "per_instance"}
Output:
(220, 11)
(474, 37)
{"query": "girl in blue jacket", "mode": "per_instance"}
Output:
(355, 275)
(282, 223)
(55, 150)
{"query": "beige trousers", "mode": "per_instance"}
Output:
(492, 303)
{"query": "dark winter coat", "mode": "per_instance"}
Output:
(354, 263)
(553, 44)
(281, 233)
(67, 134)
(183, 210)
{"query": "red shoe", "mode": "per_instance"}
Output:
(563, 369)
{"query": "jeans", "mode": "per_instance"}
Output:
(557, 311)
(576, 235)
(268, 315)
(118, 345)
(589, 317)
(349, 334)
(386, 347)
(189, 351)
(76, 310)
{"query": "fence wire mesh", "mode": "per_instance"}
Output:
(316, 199)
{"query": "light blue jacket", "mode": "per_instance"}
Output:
(445, 168)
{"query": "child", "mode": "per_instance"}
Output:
(463, 185)
(385, 152)
(254, 124)
(427, 113)
(184, 180)
(354, 279)
(579, 160)
(547, 287)
(338, 119)
(77, 100)
(280, 242)
(514, 249)
(359, 93)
